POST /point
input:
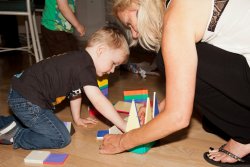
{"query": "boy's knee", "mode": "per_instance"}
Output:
(61, 140)
(65, 141)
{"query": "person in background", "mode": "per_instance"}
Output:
(57, 26)
(37, 90)
(205, 58)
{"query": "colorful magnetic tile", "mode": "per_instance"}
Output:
(101, 133)
(139, 96)
(137, 101)
(103, 87)
(155, 106)
(105, 91)
(93, 112)
(55, 159)
(134, 123)
(36, 157)
(133, 119)
(142, 149)
(135, 92)
(148, 113)
(70, 127)
(102, 82)
(135, 97)
(124, 107)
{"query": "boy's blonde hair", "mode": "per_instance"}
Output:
(149, 23)
(111, 36)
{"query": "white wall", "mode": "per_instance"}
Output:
(92, 14)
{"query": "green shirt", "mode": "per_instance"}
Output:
(53, 19)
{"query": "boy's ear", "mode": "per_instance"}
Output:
(100, 50)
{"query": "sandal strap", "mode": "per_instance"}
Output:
(221, 149)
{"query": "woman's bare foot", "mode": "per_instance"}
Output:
(233, 147)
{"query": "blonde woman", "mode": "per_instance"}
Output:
(205, 58)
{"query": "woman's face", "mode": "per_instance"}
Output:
(128, 17)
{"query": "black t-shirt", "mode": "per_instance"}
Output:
(51, 80)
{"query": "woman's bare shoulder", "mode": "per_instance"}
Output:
(192, 13)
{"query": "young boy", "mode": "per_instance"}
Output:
(36, 90)
(57, 26)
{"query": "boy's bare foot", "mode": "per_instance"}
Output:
(234, 147)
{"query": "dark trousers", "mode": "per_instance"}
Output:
(223, 91)
(57, 42)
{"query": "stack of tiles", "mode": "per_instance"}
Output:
(113, 130)
(103, 85)
(139, 96)
(45, 157)
(133, 122)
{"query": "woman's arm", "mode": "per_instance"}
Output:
(162, 105)
(180, 59)
(104, 106)
(70, 16)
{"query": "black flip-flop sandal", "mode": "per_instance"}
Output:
(241, 162)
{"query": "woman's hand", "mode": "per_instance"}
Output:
(85, 121)
(111, 144)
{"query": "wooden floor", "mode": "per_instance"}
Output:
(183, 149)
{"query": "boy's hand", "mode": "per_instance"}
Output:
(141, 114)
(85, 121)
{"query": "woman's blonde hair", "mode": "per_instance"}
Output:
(111, 36)
(149, 23)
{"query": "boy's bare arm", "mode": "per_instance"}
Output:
(70, 16)
(75, 106)
(104, 106)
